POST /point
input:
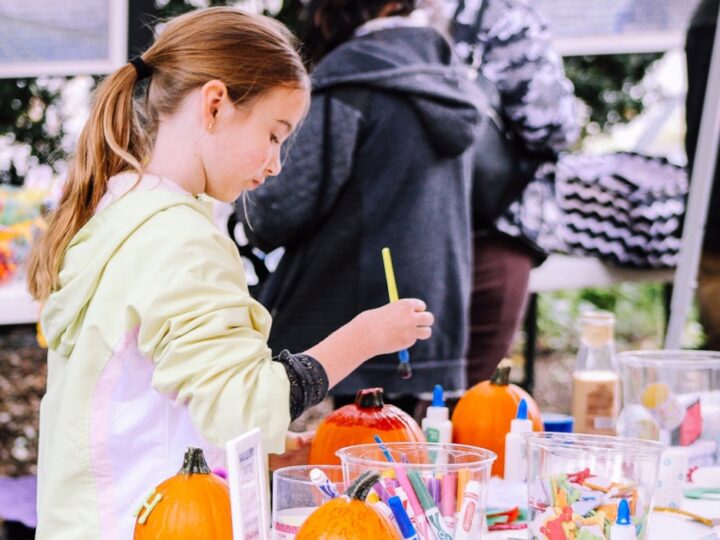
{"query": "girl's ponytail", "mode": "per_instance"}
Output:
(112, 140)
(251, 54)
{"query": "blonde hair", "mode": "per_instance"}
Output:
(251, 54)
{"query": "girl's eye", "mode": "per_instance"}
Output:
(274, 139)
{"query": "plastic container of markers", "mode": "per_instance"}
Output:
(436, 481)
(295, 497)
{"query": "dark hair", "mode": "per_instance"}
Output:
(330, 23)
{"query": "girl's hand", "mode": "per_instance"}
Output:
(383, 330)
(396, 326)
(297, 448)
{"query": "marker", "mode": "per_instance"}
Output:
(381, 491)
(322, 482)
(448, 489)
(385, 510)
(463, 477)
(404, 368)
(468, 524)
(407, 531)
(431, 512)
(420, 522)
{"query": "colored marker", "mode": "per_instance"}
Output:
(401, 476)
(468, 525)
(448, 488)
(322, 482)
(385, 510)
(431, 512)
(402, 519)
(381, 491)
(404, 368)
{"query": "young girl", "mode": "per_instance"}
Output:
(155, 344)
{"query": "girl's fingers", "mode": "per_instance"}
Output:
(418, 305)
(424, 333)
(424, 318)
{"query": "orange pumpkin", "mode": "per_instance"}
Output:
(482, 416)
(358, 422)
(194, 503)
(349, 517)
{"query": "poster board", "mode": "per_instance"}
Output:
(248, 483)
(62, 37)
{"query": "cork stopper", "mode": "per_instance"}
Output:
(598, 328)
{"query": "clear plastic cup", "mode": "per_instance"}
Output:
(577, 482)
(673, 397)
(295, 497)
(455, 477)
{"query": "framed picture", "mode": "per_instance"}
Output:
(248, 482)
(616, 26)
(62, 37)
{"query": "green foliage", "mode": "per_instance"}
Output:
(639, 310)
(608, 85)
(25, 108)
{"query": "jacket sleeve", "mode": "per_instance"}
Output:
(205, 334)
(287, 207)
(518, 56)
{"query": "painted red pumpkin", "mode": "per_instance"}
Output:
(358, 423)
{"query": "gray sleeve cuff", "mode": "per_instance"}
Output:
(308, 381)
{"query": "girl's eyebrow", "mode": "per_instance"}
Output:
(287, 124)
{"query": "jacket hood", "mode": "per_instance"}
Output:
(416, 62)
(89, 253)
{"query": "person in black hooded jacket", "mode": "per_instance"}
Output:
(383, 159)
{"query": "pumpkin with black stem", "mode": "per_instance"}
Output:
(358, 422)
(349, 517)
(483, 415)
(195, 503)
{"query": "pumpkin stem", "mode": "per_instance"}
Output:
(194, 462)
(362, 485)
(369, 398)
(501, 377)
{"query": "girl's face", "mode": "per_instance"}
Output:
(242, 146)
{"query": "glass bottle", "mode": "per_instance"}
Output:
(596, 385)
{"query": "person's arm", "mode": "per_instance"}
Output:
(204, 333)
(383, 330)
(288, 206)
(518, 56)
(208, 338)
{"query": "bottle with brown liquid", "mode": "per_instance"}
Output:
(596, 385)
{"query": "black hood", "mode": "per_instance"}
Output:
(415, 62)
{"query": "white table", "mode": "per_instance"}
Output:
(662, 526)
(16, 305)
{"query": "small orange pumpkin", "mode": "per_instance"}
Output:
(482, 416)
(194, 503)
(358, 423)
(349, 517)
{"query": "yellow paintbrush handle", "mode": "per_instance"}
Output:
(389, 275)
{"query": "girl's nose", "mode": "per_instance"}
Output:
(274, 166)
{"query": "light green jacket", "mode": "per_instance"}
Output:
(155, 345)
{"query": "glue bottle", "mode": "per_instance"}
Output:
(436, 425)
(515, 458)
(623, 528)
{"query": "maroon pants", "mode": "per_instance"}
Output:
(500, 281)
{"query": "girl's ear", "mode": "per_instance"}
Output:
(212, 94)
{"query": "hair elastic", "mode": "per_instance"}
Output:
(143, 69)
